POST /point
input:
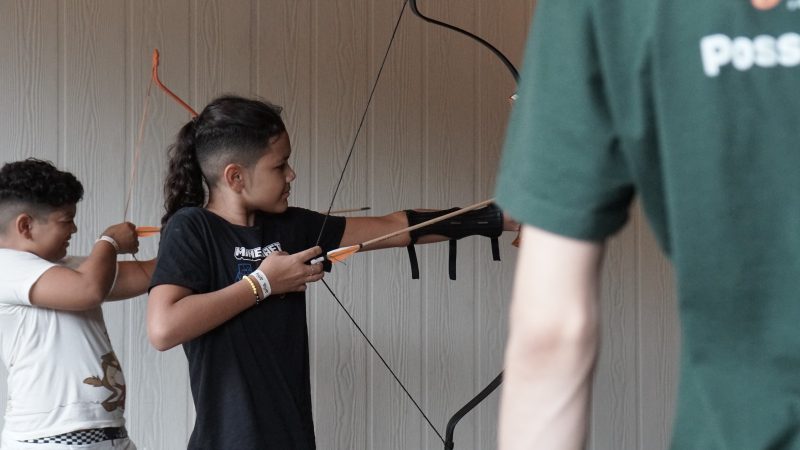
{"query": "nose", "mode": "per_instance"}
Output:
(291, 175)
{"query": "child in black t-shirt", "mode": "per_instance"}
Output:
(244, 246)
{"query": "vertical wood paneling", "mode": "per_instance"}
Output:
(72, 91)
(28, 90)
(29, 80)
(450, 151)
(222, 38)
(341, 72)
(155, 420)
(395, 320)
(659, 346)
(614, 403)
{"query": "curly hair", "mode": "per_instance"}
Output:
(39, 184)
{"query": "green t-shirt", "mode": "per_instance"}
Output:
(694, 106)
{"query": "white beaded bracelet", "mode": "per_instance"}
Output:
(110, 240)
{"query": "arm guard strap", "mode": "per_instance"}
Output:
(487, 221)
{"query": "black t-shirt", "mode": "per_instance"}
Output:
(249, 376)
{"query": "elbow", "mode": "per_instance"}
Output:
(92, 298)
(570, 336)
(161, 336)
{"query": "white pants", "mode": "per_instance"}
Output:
(111, 444)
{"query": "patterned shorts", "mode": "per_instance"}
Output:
(82, 437)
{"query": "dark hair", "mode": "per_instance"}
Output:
(39, 184)
(230, 129)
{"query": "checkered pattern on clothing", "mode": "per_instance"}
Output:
(82, 437)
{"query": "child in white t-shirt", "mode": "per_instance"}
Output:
(65, 384)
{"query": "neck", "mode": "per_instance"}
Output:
(231, 209)
(10, 243)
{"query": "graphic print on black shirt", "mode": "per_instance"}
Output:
(248, 259)
(249, 376)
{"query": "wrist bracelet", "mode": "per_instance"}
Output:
(266, 289)
(110, 240)
(252, 286)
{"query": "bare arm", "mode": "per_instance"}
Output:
(176, 315)
(552, 345)
(360, 229)
(133, 279)
(87, 286)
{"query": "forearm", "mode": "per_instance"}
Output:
(361, 229)
(133, 279)
(552, 345)
(170, 323)
(488, 221)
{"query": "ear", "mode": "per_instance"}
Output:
(23, 225)
(234, 177)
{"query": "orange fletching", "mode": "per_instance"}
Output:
(147, 231)
(341, 254)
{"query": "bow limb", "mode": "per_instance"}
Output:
(506, 62)
(448, 440)
(485, 392)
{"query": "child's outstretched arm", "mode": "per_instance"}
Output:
(87, 286)
(360, 229)
(424, 227)
(175, 314)
(133, 278)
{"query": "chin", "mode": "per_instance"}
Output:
(55, 256)
(277, 208)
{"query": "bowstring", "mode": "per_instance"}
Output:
(137, 152)
(363, 119)
(330, 206)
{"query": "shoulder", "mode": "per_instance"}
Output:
(189, 219)
(188, 214)
(10, 258)
(18, 272)
(292, 215)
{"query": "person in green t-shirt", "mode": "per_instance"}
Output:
(692, 106)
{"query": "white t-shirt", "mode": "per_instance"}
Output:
(62, 372)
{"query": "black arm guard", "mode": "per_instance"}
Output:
(487, 221)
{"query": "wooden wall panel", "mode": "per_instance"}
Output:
(616, 385)
(73, 91)
(341, 74)
(28, 90)
(395, 321)
(449, 162)
(160, 412)
(659, 345)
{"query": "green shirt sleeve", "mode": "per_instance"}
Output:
(562, 170)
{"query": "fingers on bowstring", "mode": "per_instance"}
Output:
(309, 253)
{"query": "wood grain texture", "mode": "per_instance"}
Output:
(155, 420)
(73, 92)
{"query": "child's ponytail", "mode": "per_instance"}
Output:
(184, 183)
